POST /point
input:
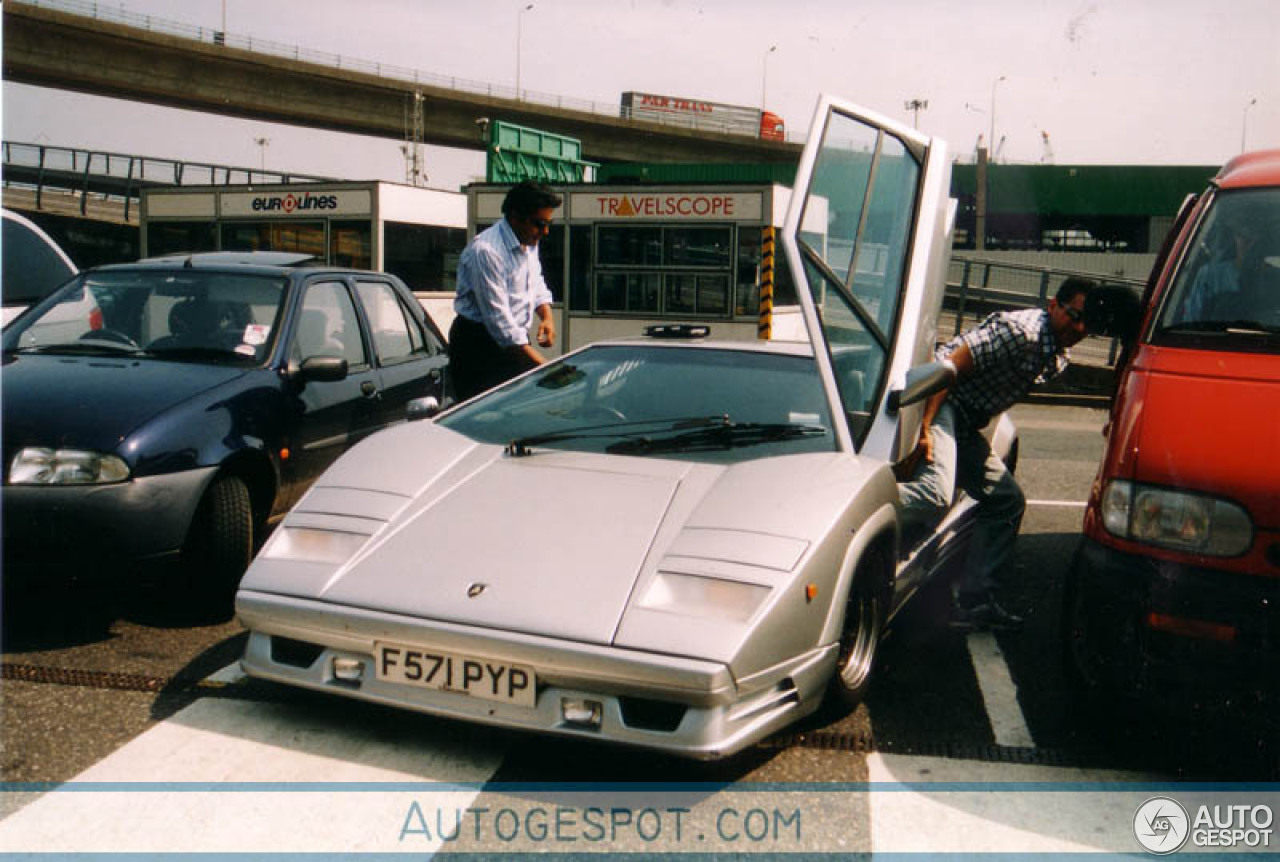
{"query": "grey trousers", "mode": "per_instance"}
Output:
(963, 458)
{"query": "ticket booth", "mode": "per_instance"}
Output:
(414, 233)
(621, 257)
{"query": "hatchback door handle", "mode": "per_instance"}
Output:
(368, 389)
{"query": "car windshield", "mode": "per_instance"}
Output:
(1229, 285)
(694, 403)
(181, 315)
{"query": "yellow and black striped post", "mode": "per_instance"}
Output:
(764, 329)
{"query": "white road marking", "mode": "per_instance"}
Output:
(300, 782)
(999, 693)
(975, 809)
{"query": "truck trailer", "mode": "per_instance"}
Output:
(700, 114)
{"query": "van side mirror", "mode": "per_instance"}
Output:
(1114, 311)
(922, 382)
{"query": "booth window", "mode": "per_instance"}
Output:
(664, 270)
(306, 237)
(425, 257)
(350, 244)
(177, 237)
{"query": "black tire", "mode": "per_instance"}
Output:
(860, 633)
(220, 543)
(1100, 642)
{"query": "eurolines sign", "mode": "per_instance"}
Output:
(295, 203)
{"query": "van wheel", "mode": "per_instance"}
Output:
(220, 543)
(864, 615)
(1100, 644)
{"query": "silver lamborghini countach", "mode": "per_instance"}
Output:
(669, 542)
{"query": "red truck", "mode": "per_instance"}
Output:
(700, 114)
(1175, 589)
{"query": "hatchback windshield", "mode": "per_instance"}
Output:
(670, 402)
(185, 315)
(1229, 284)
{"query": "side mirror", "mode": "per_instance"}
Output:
(423, 408)
(320, 369)
(922, 382)
(1114, 311)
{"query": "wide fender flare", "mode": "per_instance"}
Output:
(881, 525)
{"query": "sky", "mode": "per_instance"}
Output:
(1108, 81)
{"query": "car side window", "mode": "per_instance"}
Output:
(328, 326)
(397, 336)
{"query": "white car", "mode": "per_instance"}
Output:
(34, 265)
(668, 542)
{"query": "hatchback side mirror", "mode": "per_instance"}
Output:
(423, 408)
(922, 382)
(320, 369)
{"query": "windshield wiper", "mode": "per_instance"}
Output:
(1223, 327)
(110, 348)
(727, 435)
(520, 446)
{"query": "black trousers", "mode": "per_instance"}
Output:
(478, 363)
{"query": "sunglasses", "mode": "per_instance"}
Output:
(539, 223)
(1073, 314)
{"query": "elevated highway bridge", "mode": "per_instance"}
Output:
(83, 47)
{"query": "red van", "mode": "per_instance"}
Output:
(1176, 582)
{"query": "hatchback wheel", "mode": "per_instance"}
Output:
(220, 544)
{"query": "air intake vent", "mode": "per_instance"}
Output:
(294, 653)
(645, 714)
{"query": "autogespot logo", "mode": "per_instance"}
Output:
(1161, 825)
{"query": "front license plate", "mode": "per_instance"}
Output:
(478, 677)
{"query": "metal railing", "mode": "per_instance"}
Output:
(120, 176)
(151, 23)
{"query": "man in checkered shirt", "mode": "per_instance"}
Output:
(996, 363)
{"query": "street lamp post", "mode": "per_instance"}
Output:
(262, 143)
(519, 20)
(764, 84)
(991, 139)
(1244, 125)
(915, 106)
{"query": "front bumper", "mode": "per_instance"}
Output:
(1191, 627)
(684, 706)
(93, 531)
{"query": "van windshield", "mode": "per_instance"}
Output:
(1229, 284)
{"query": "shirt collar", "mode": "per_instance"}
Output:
(509, 239)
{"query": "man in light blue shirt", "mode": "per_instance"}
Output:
(500, 291)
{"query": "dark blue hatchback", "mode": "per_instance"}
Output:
(172, 409)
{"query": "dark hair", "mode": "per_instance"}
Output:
(1073, 287)
(527, 198)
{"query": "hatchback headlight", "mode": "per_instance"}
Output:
(37, 465)
(1175, 519)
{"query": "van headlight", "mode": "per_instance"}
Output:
(36, 465)
(1195, 523)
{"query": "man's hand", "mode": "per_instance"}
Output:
(546, 325)
(546, 332)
